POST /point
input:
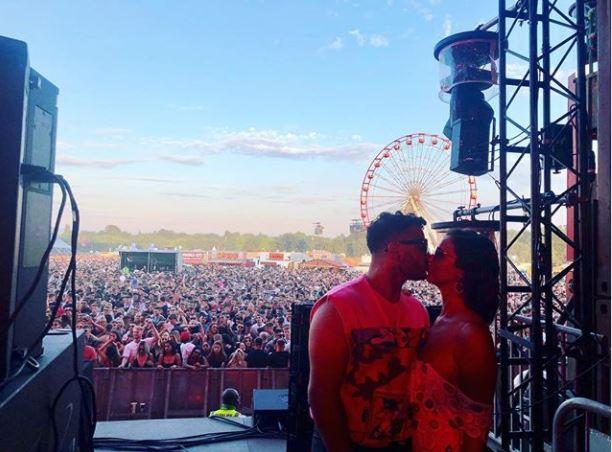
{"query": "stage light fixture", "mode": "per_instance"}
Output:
(468, 71)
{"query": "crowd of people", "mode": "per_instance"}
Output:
(202, 316)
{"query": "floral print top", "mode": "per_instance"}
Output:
(442, 414)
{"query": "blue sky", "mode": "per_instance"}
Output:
(250, 116)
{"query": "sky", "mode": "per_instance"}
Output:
(248, 115)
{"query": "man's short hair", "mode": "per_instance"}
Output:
(389, 224)
(258, 341)
(231, 397)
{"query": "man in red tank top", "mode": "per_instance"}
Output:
(364, 336)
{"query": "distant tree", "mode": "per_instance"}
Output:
(111, 237)
(112, 229)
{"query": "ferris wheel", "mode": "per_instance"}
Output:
(412, 174)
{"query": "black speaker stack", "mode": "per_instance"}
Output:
(30, 388)
(299, 424)
(270, 409)
(28, 119)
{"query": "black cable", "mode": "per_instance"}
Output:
(174, 444)
(85, 384)
(91, 417)
(228, 420)
(72, 266)
(41, 265)
(182, 443)
(29, 351)
(58, 301)
(76, 222)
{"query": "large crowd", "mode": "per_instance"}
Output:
(202, 316)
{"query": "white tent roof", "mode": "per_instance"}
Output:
(60, 246)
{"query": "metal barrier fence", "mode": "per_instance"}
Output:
(171, 393)
(563, 412)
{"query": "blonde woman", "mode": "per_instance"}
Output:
(237, 359)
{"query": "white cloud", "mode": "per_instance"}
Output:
(424, 11)
(563, 75)
(516, 70)
(64, 145)
(303, 200)
(374, 39)
(184, 195)
(359, 38)
(152, 179)
(447, 26)
(182, 159)
(156, 180)
(378, 41)
(336, 44)
(286, 189)
(101, 164)
(406, 34)
(267, 143)
(105, 145)
(313, 136)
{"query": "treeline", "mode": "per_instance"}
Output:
(521, 250)
(111, 237)
(352, 245)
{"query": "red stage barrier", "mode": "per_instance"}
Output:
(170, 393)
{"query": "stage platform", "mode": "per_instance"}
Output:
(174, 428)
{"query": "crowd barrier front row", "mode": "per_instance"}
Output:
(123, 394)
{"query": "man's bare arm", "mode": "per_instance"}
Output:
(153, 329)
(328, 359)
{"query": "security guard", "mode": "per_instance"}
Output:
(230, 400)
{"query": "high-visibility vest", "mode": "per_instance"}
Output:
(225, 411)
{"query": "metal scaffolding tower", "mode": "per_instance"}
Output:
(548, 350)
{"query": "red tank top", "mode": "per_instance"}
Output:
(382, 338)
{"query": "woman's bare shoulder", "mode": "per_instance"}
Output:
(475, 357)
